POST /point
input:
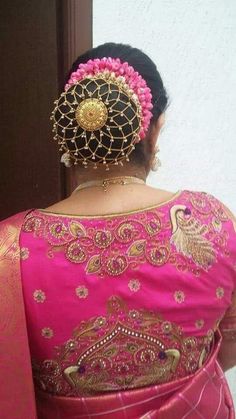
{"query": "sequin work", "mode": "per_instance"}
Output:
(47, 332)
(127, 300)
(182, 239)
(125, 349)
(24, 253)
(39, 296)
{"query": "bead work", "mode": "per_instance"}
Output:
(123, 349)
(96, 118)
(183, 239)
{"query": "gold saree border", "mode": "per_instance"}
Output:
(17, 399)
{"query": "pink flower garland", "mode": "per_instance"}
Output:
(133, 79)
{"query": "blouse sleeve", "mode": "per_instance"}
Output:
(227, 325)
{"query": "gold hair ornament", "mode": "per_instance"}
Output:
(97, 120)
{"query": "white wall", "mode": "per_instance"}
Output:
(193, 43)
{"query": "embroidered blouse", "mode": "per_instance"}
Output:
(127, 300)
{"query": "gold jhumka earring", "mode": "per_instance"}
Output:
(156, 162)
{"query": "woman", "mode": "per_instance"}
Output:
(120, 298)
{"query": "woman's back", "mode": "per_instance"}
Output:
(127, 290)
(127, 300)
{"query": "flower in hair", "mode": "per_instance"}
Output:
(123, 70)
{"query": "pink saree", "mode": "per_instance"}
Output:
(135, 348)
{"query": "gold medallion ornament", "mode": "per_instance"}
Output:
(97, 121)
(91, 114)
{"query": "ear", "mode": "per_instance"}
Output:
(155, 130)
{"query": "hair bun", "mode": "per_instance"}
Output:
(98, 120)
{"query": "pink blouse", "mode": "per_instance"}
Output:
(127, 300)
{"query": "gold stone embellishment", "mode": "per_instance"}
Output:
(134, 285)
(220, 292)
(81, 292)
(123, 348)
(91, 114)
(47, 332)
(179, 296)
(24, 253)
(199, 323)
(39, 296)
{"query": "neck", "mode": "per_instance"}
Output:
(82, 175)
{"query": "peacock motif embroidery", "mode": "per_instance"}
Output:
(124, 348)
(187, 236)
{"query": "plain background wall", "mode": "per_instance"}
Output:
(193, 43)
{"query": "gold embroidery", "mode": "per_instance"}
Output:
(126, 348)
(24, 253)
(39, 296)
(134, 285)
(81, 291)
(231, 216)
(153, 226)
(126, 232)
(137, 248)
(103, 239)
(199, 324)
(47, 332)
(116, 265)
(179, 296)
(9, 249)
(217, 224)
(32, 223)
(93, 265)
(77, 229)
(75, 253)
(127, 243)
(187, 236)
(158, 256)
(58, 229)
(220, 292)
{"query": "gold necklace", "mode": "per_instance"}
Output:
(104, 183)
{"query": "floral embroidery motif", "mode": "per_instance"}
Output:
(189, 238)
(81, 291)
(75, 253)
(47, 332)
(58, 230)
(24, 253)
(220, 292)
(179, 296)
(39, 296)
(134, 285)
(199, 324)
(103, 239)
(126, 348)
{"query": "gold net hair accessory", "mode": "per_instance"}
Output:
(97, 120)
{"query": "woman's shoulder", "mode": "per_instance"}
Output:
(205, 203)
(203, 198)
(14, 220)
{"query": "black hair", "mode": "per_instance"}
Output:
(147, 69)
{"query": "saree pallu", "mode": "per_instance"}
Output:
(204, 394)
(17, 399)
